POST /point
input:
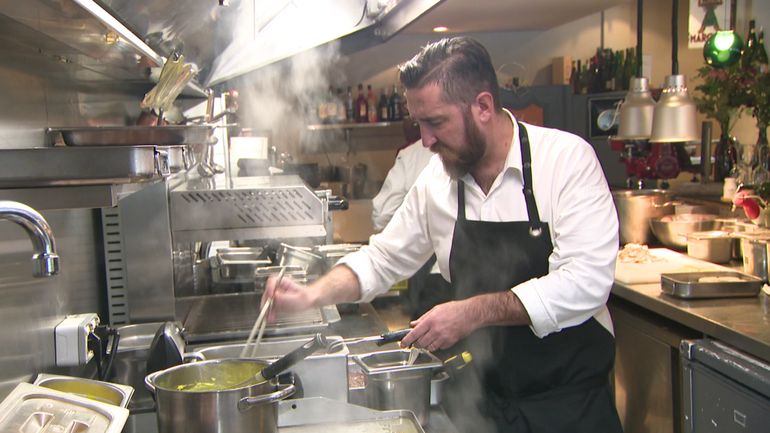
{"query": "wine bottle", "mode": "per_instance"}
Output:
(382, 107)
(361, 107)
(761, 54)
(350, 112)
(371, 105)
(394, 105)
(749, 53)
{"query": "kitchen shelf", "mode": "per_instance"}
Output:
(347, 137)
(71, 197)
(351, 126)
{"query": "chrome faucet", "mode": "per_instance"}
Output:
(45, 259)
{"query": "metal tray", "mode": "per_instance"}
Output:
(719, 284)
(166, 135)
(47, 166)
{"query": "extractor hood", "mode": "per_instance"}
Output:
(228, 38)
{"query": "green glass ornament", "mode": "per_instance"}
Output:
(723, 49)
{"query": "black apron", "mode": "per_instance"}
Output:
(518, 382)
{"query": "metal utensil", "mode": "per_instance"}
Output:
(259, 324)
(387, 337)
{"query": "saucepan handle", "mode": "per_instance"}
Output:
(247, 403)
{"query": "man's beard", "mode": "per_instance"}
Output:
(458, 163)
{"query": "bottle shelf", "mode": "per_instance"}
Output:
(344, 126)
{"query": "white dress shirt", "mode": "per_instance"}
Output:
(572, 196)
(409, 163)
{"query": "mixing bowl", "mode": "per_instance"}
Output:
(672, 230)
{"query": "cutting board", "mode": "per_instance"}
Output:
(671, 261)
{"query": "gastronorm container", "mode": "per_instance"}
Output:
(321, 374)
(391, 382)
(713, 246)
(105, 392)
(35, 409)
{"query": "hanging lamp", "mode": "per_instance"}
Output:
(637, 109)
(674, 117)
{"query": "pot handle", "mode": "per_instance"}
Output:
(247, 403)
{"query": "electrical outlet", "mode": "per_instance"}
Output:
(72, 339)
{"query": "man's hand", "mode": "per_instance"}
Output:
(289, 296)
(338, 285)
(442, 326)
(446, 324)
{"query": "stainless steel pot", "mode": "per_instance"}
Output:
(636, 208)
(207, 397)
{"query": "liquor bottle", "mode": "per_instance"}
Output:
(331, 106)
(749, 53)
(350, 112)
(361, 108)
(371, 104)
(382, 107)
(394, 105)
(341, 110)
(761, 54)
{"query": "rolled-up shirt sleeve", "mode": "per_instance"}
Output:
(585, 234)
(398, 251)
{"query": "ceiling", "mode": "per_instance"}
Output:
(463, 16)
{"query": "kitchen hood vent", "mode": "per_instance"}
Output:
(227, 39)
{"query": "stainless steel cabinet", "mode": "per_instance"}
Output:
(647, 381)
(724, 390)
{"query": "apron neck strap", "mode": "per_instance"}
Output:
(535, 225)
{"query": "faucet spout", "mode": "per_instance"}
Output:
(45, 259)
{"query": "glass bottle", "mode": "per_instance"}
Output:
(725, 156)
(394, 105)
(749, 53)
(350, 112)
(382, 107)
(361, 106)
(761, 54)
(371, 105)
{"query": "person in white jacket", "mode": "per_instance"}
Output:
(426, 287)
(408, 165)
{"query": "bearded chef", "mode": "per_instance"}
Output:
(523, 226)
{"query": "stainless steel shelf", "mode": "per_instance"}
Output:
(71, 197)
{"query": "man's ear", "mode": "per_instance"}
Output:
(485, 104)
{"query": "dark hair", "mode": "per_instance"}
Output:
(460, 65)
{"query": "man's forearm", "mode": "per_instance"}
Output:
(338, 285)
(498, 309)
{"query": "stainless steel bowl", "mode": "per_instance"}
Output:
(672, 230)
(712, 246)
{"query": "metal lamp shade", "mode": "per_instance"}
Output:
(636, 112)
(674, 117)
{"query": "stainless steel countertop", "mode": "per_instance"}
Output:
(743, 323)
